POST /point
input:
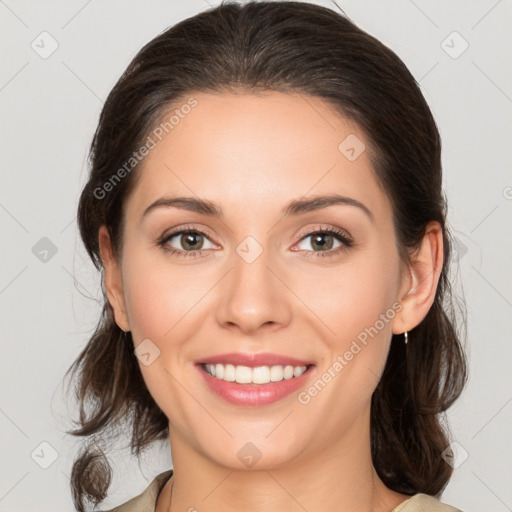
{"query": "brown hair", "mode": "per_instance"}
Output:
(311, 50)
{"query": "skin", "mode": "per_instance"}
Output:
(252, 154)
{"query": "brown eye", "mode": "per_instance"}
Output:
(322, 241)
(192, 241)
(186, 242)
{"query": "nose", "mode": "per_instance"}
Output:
(253, 297)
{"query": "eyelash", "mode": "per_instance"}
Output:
(338, 234)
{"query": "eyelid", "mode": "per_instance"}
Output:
(324, 228)
(180, 230)
(342, 235)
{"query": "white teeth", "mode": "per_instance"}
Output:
(258, 375)
(298, 371)
(261, 375)
(229, 373)
(243, 374)
(276, 373)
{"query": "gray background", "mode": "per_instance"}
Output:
(49, 300)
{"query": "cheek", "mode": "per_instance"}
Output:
(148, 306)
(350, 298)
(158, 295)
(357, 303)
(160, 300)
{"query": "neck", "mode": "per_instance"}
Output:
(337, 478)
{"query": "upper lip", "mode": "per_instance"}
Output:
(253, 360)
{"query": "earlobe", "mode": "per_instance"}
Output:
(421, 286)
(112, 279)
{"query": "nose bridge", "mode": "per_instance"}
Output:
(252, 296)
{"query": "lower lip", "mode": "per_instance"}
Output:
(254, 394)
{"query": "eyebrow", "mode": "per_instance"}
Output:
(293, 208)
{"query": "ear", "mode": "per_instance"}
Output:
(418, 289)
(112, 279)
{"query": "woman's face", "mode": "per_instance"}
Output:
(261, 277)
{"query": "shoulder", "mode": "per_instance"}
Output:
(146, 501)
(424, 503)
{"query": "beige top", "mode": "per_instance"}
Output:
(146, 502)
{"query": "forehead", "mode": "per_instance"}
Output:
(246, 150)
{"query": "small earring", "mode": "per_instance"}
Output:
(406, 337)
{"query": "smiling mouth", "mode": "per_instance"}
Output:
(254, 375)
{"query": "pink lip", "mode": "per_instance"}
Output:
(253, 360)
(255, 394)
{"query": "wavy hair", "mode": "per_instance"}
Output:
(286, 47)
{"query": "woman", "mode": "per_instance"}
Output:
(265, 204)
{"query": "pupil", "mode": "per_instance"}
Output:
(190, 239)
(323, 244)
